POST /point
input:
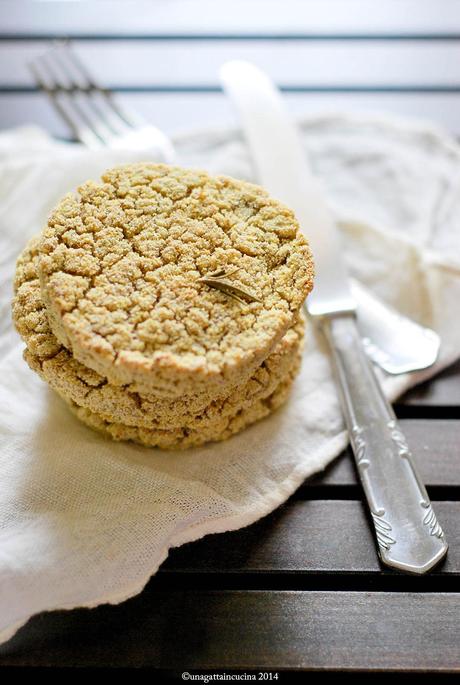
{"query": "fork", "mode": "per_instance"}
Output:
(93, 113)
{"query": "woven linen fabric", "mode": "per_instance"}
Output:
(84, 520)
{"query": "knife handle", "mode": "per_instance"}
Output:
(408, 534)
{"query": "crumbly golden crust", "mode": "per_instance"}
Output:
(121, 405)
(29, 313)
(182, 438)
(120, 267)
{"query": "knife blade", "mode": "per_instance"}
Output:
(407, 532)
(282, 168)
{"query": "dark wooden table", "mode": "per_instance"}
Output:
(301, 589)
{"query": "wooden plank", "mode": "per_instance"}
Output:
(187, 630)
(305, 537)
(238, 17)
(436, 448)
(144, 63)
(179, 112)
(442, 391)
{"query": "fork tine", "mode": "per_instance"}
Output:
(126, 115)
(91, 111)
(70, 114)
(77, 95)
(102, 99)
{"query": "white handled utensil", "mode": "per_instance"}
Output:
(408, 535)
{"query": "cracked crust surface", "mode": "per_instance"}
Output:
(119, 405)
(120, 265)
(182, 438)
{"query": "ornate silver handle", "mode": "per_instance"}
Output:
(408, 534)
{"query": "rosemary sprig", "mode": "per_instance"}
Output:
(218, 280)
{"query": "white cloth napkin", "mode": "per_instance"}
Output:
(84, 520)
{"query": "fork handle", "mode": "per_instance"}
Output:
(408, 534)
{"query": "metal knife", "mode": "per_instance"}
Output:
(408, 535)
(397, 344)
